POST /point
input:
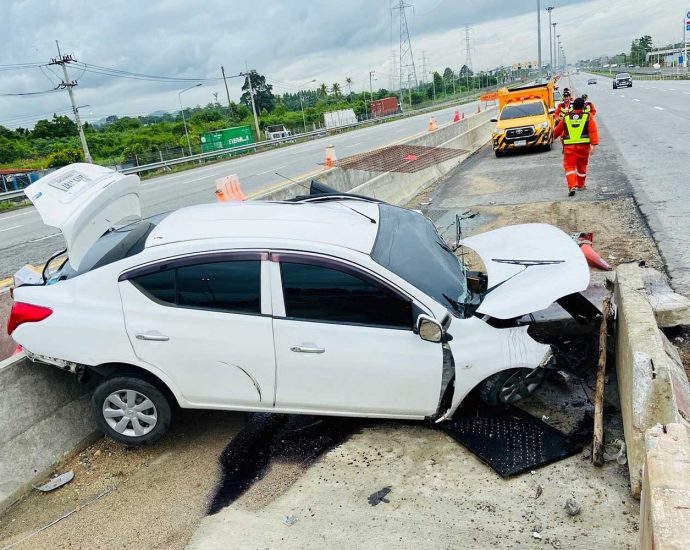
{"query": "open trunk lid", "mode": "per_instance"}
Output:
(84, 201)
(529, 267)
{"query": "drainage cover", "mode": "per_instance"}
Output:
(508, 439)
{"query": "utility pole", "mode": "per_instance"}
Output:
(423, 68)
(557, 45)
(549, 9)
(468, 55)
(64, 60)
(539, 37)
(248, 75)
(371, 90)
(222, 70)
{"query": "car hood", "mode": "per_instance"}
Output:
(529, 267)
(84, 201)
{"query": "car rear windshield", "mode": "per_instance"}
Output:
(519, 111)
(408, 244)
(114, 245)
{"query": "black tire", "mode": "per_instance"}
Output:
(547, 147)
(614, 86)
(159, 409)
(498, 153)
(493, 389)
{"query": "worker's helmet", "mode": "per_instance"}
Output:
(585, 96)
(578, 104)
(566, 93)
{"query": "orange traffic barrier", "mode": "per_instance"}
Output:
(432, 125)
(493, 96)
(330, 156)
(593, 258)
(228, 189)
(456, 118)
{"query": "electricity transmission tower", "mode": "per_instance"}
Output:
(406, 66)
(468, 54)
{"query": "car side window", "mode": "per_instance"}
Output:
(231, 286)
(317, 293)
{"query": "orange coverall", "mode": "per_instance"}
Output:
(576, 157)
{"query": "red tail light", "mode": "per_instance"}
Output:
(26, 313)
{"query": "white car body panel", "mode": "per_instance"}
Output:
(83, 201)
(516, 290)
(480, 350)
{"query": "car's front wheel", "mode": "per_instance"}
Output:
(130, 410)
(511, 385)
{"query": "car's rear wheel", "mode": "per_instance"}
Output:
(511, 385)
(130, 410)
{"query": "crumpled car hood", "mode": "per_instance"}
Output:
(529, 266)
(83, 201)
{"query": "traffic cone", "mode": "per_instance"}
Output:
(463, 116)
(330, 156)
(479, 108)
(432, 125)
(456, 118)
(235, 188)
(593, 258)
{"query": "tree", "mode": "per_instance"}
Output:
(437, 82)
(263, 95)
(348, 81)
(639, 48)
(323, 90)
(335, 89)
(465, 72)
(59, 127)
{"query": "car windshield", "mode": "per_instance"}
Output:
(623, 75)
(408, 244)
(519, 111)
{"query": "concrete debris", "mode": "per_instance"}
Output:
(290, 520)
(57, 481)
(572, 507)
(379, 496)
(670, 309)
(540, 490)
(544, 418)
(536, 535)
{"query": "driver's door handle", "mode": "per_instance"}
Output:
(152, 336)
(307, 349)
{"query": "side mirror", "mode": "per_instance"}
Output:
(552, 111)
(429, 329)
(493, 119)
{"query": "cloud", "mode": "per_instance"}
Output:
(290, 41)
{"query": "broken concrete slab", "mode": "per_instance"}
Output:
(670, 308)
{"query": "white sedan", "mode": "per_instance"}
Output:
(333, 305)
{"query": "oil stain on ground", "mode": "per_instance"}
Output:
(272, 438)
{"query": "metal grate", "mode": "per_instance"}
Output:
(399, 158)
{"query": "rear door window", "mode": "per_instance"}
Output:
(319, 293)
(231, 286)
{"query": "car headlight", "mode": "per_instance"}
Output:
(543, 125)
(499, 131)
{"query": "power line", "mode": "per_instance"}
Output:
(119, 73)
(23, 94)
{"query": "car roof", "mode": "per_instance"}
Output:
(342, 223)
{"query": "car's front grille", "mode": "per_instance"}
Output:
(520, 133)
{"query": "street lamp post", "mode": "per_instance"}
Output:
(558, 51)
(548, 9)
(301, 103)
(539, 37)
(184, 120)
(555, 53)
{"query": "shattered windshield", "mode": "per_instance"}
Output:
(409, 245)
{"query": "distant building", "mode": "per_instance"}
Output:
(277, 131)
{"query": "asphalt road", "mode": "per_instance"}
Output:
(24, 238)
(650, 125)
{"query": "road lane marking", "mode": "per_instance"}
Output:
(621, 95)
(147, 183)
(635, 99)
(271, 170)
(44, 238)
(354, 144)
(29, 211)
(686, 93)
(659, 108)
(10, 228)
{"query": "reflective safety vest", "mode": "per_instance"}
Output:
(576, 129)
(565, 108)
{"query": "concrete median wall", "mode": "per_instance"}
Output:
(644, 372)
(468, 134)
(44, 416)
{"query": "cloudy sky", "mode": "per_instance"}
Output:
(290, 41)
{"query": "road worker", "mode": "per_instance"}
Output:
(589, 106)
(563, 106)
(580, 137)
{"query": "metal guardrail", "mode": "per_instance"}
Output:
(12, 194)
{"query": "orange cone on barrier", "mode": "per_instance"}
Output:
(593, 258)
(330, 156)
(456, 118)
(228, 189)
(479, 108)
(432, 125)
(463, 116)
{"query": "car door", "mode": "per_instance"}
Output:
(345, 344)
(204, 321)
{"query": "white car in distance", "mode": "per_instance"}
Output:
(329, 305)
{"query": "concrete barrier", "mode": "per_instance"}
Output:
(645, 370)
(44, 416)
(665, 506)
(468, 134)
(7, 345)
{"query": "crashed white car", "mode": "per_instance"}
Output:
(328, 304)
